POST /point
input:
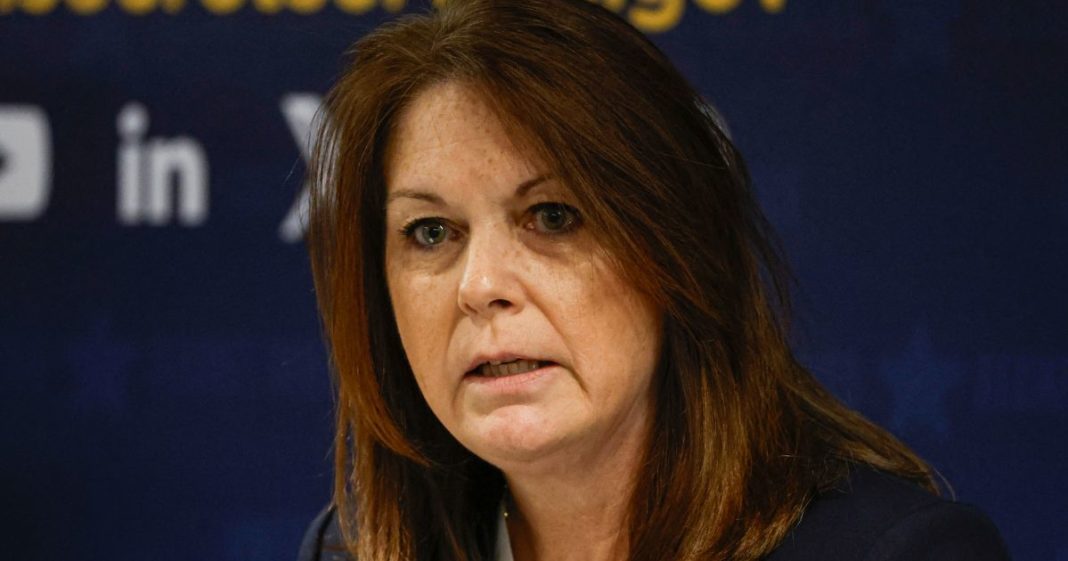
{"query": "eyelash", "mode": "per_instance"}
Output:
(409, 228)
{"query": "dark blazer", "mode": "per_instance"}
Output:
(869, 517)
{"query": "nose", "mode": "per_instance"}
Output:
(489, 283)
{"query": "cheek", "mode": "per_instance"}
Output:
(420, 306)
(612, 331)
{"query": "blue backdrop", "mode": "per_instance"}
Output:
(165, 392)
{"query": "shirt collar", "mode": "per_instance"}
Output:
(504, 545)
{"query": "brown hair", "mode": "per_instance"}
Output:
(743, 436)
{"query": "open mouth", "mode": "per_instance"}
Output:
(509, 368)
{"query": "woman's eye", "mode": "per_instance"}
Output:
(555, 218)
(427, 232)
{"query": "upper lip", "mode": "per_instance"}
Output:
(502, 356)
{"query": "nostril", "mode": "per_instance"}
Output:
(489, 290)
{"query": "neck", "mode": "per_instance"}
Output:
(576, 511)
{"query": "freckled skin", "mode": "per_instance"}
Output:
(500, 281)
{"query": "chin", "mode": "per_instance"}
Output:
(508, 437)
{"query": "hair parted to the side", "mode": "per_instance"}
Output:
(743, 436)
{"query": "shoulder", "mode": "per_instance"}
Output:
(322, 540)
(873, 516)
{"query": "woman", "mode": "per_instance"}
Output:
(556, 318)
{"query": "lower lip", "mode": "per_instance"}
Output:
(511, 383)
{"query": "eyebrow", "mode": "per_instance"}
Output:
(520, 191)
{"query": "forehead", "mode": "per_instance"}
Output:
(448, 134)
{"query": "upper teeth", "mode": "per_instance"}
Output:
(495, 368)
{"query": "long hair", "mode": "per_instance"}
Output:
(743, 437)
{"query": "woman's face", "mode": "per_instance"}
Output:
(488, 261)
